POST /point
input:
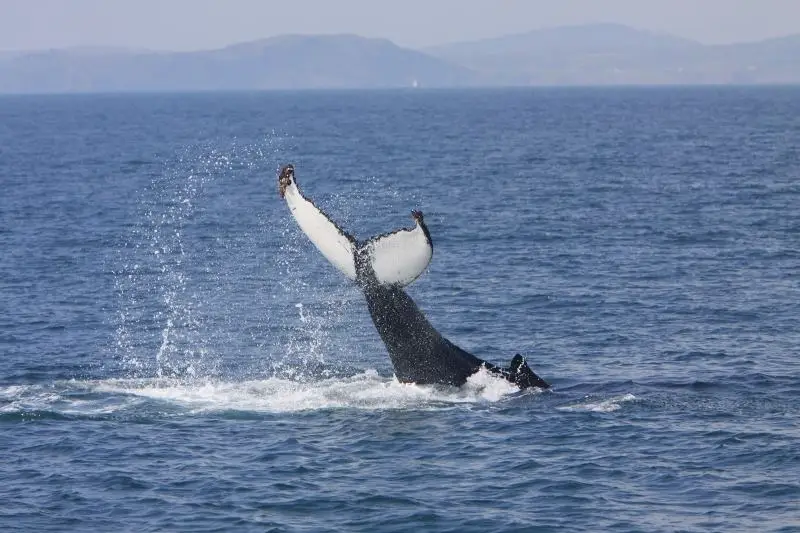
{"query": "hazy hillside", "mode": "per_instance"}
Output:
(564, 41)
(579, 55)
(615, 54)
(286, 62)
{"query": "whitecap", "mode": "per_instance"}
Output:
(603, 406)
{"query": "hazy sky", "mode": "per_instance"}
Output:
(198, 24)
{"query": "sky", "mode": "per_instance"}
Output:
(207, 24)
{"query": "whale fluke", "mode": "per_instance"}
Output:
(333, 242)
(400, 257)
(396, 258)
(381, 266)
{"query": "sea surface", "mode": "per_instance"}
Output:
(176, 356)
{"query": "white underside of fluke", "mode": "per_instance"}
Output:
(332, 242)
(398, 258)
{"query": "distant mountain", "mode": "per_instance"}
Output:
(599, 54)
(566, 40)
(285, 62)
(595, 54)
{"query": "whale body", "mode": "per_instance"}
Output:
(381, 267)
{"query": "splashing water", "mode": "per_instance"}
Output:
(189, 332)
(215, 296)
(367, 390)
(211, 291)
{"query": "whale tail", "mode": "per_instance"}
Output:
(395, 258)
(382, 265)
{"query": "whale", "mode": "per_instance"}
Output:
(381, 267)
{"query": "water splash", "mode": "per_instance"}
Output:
(180, 259)
(211, 288)
(156, 396)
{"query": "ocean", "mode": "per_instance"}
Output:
(176, 356)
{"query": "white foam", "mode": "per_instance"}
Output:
(604, 406)
(13, 391)
(22, 398)
(367, 390)
(362, 391)
(488, 386)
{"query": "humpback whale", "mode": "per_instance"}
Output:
(381, 266)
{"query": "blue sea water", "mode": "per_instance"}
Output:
(176, 356)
